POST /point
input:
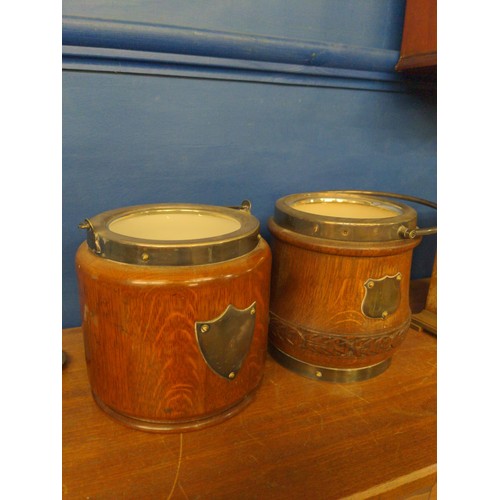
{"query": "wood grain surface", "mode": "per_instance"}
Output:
(316, 307)
(299, 438)
(142, 354)
(419, 43)
(426, 317)
(431, 300)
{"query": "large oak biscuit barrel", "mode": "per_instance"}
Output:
(175, 309)
(340, 282)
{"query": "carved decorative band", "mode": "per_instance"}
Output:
(335, 344)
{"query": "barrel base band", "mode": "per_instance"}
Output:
(174, 426)
(328, 374)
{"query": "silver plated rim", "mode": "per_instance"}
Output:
(127, 249)
(342, 228)
(328, 374)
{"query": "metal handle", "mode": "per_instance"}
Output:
(86, 224)
(245, 206)
(404, 231)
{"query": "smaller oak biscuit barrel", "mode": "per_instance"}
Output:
(340, 282)
(175, 309)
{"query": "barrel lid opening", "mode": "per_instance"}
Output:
(346, 208)
(174, 225)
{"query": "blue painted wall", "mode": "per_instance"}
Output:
(217, 129)
(364, 23)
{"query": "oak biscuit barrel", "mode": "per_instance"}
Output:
(175, 310)
(340, 282)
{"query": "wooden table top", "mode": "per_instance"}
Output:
(299, 438)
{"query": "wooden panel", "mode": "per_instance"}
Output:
(419, 44)
(300, 438)
(426, 319)
(431, 301)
